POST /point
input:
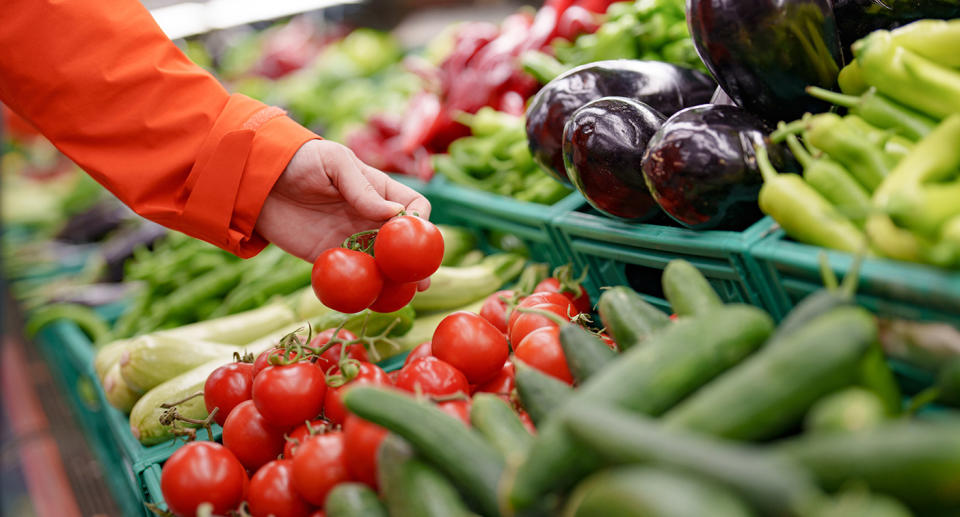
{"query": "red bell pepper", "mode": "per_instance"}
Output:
(576, 21)
(596, 6)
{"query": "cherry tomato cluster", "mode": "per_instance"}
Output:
(406, 250)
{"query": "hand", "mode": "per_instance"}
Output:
(327, 194)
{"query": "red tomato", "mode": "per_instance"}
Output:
(503, 383)
(394, 296)
(263, 360)
(472, 345)
(318, 513)
(457, 408)
(528, 322)
(272, 492)
(607, 340)
(537, 299)
(320, 464)
(226, 387)
(346, 280)
(673, 317)
(202, 472)
(361, 439)
(541, 350)
(331, 357)
(432, 376)
(248, 436)
(291, 394)
(552, 285)
(421, 350)
(408, 248)
(369, 374)
(527, 422)
(299, 435)
(494, 309)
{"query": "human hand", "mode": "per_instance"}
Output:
(327, 194)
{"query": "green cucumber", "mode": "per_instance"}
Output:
(877, 377)
(500, 425)
(774, 486)
(116, 390)
(154, 358)
(687, 290)
(772, 390)
(459, 452)
(353, 500)
(628, 317)
(648, 379)
(649, 492)
(412, 488)
(916, 462)
(586, 354)
(853, 409)
(452, 287)
(808, 309)
(540, 393)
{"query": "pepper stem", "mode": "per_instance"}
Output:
(787, 129)
(763, 163)
(798, 151)
(847, 101)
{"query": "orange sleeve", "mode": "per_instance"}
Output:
(112, 92)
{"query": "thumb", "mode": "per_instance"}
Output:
(364, 197)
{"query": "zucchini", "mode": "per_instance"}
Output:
(541, 394)
(772, 390)
(353, 500)
(457, 241)
(648, 379)
(452, 287)
(859, 503)
(500, 425)
(628, 317)
(154, 358)
(649, 492)
(586, 353)
(774, 486)
(853, 409)
(687, 290)
(461, 453)
(109, 355)
(237, 329)
(916, 462)
(117, 392)
(413, 488)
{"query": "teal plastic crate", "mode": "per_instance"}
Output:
(634, 254)
(151, 491)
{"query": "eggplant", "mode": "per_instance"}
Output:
(603, 145)
(765, 52)
(701, 169)
(857, 18)
(94, 223)
(665, 87)
(120, 245)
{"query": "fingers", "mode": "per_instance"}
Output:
(393, 190)
(353, 185)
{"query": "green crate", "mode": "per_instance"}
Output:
(151, 489)
(621, 253)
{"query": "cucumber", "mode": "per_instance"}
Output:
(109, 355)
(774, 486)
(117, 392)
(628, 317)
(687, 290)
(452, 287)
(154, 358)
(808, 309)
(461, 453)
(916, 462)
(540, 393)
(876, 376)
(353, 500)
(853, 409)
(648, 379)
(586, 353)
(772, 390)
(412, 488)
(649, 492)
(502, 428)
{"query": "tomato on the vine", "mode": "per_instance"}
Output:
(346, 280)
(250, 437)
(472, 345)
(368, 374)
(226, 387)
(503, 383)
(408, 248)
(361, 439)
(330, 358)
(264, 359)
(551, 285)
(287, 395)
(394, 296)
(272, 492)
(299, 435)
(541, 350)
(537, 299)
(202, 472)
(529, 322)
(494, 309)
(432, 376)
(319, 465)
(459, 409)
(421, 350)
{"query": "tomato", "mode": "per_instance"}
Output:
(528, 322)
(263, 360)
(299, 435)
(551, 285)
(248, 436)
(272, 492)
(673, 317)
(607, 340)
(537, 299)
(202, 472)
(541, 350)
(346, 280)
(394, 296)
(432, 376)
(318, 513)
(369, 374)
(361, 439)
(320, 464)
(494, 309)
(290, 394)
(421, 350)
(527, 422)
(331, 357)
(472, 345)
(226, 387)
(457, 408)
(503, 383)
(408, 248)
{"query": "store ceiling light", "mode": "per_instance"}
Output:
(192, 18)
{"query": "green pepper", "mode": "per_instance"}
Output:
(833, 182)
(936, 40)
(543, 67)
(936, 158)
(880, 111)
(851, 80)
(847, 145)
(897, 148)
(925, 208)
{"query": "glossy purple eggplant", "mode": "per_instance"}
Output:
(603, 145)
(765, 52)
(701, 169)
(857, 18)
(666, 88)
